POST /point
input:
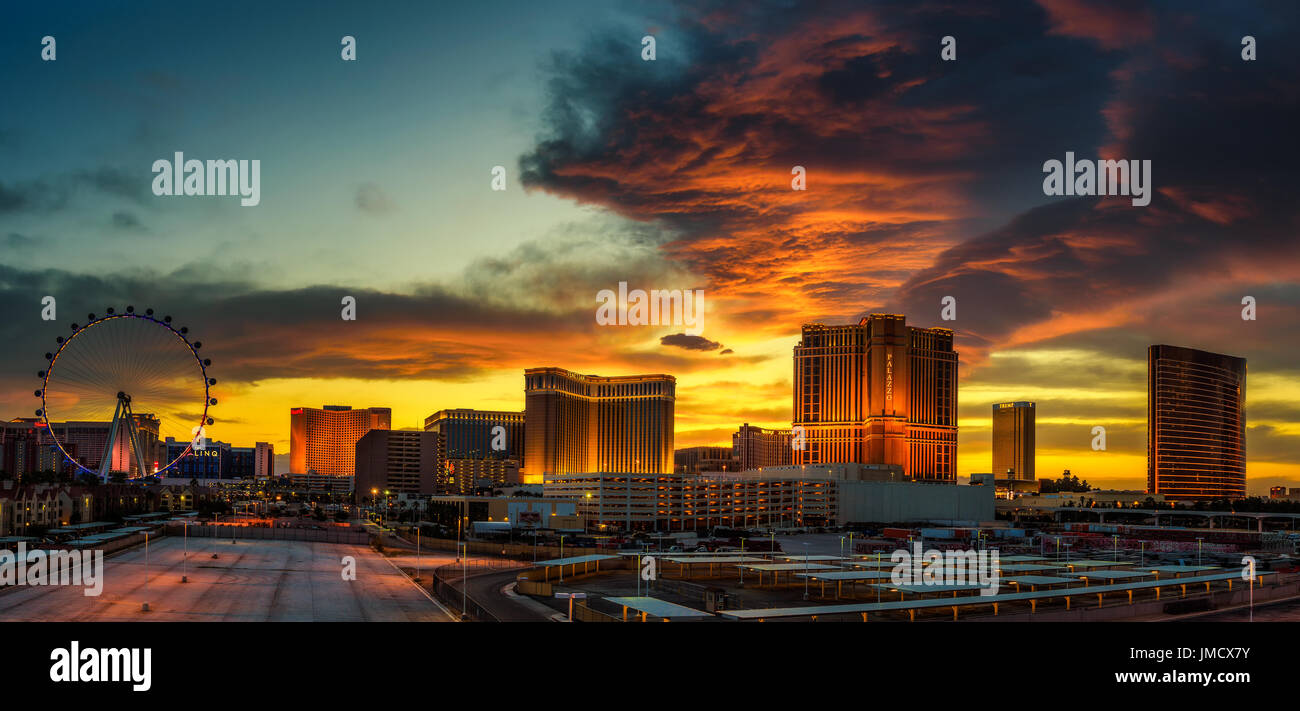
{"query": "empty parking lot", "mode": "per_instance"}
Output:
(251, 581)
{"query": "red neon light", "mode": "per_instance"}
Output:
(296, 411)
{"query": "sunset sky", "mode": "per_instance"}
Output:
(924, 180)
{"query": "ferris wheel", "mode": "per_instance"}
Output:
(136, 372)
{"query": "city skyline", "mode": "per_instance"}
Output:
(586, 387)
(923, 182)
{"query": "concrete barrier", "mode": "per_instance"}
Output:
(348, 536)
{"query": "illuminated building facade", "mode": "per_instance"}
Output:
(877, 392)
(324, 441)
(1196, 424)
(214, 461)
(583, 423)
(757, 447)
(465, 476)
(1013, 440)
(779, 497)
(27, 448)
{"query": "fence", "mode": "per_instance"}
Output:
(525, 552)
(582, 613)
(449, 593)
(349, 536)
(535, 588)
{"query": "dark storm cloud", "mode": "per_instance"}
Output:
(906, 154)
(935, 167)
(254, 333)
(869, 61)
(690, 343)
(1216, 130)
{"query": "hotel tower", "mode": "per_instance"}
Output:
(1013, 440)
(588, 423)
(877, 392)
(324, 441)
(1196, 424)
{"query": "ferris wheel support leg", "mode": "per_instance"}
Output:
(134, 435)
(106, 461)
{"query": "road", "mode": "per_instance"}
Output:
(251, 581)
(1283, 611)
(486, 589)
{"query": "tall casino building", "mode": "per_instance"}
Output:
(1196, 424)
(324, 441)
(589, 423)
(1013, 440)
(878, 392)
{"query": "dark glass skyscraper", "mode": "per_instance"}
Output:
(1196, 424)
(878, 392)
(468, 433)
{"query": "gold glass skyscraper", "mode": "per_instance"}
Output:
(1013, 440)
(588, 423)
(877, 392)
(1196, 424)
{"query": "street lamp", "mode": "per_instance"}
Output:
(805, 571)
(464, 579)
(185, 575)
(145, 606)
(740, 562)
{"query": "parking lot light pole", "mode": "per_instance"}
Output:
(878, 570)
(740, 562)
(805, 571)
(145, 606)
